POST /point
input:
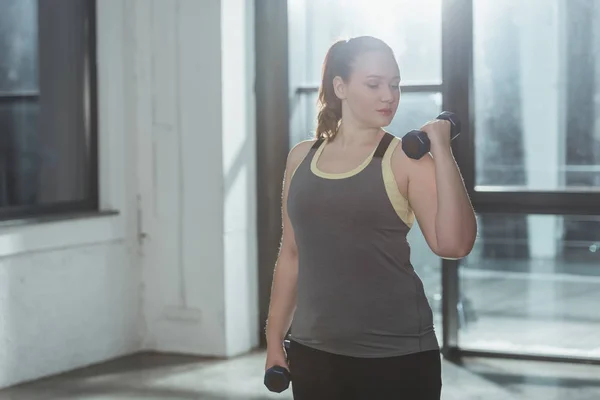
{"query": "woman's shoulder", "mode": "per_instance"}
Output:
(299, 152)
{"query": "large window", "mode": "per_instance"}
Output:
(411, 28)
(533, 293)
(530, 79)
(47, 108)
(537, 85)
(524, 77)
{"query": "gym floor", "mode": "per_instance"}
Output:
(152, 376)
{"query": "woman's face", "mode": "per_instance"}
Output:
(372, 92)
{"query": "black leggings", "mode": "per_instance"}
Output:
(319, 375)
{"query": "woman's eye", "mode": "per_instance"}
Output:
(373, 85)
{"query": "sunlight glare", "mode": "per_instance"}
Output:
(382, 18)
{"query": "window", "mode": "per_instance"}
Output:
(412, 29)
(48, 146)
(530, 157)
(537, 91)
(524, 77)
(529, 291)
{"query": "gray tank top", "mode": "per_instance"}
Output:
(358, 294)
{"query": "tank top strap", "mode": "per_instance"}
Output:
(384, 143)
(314, 150)
(317, 144)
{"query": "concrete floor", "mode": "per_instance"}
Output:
(153, 376)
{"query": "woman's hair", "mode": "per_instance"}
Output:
(338, 62)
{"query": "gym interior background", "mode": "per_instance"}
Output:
(142, 148)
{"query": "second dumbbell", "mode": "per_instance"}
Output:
(277, 378)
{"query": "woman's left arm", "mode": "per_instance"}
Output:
(439, 199)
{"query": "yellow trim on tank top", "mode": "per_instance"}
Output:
(340, 175)
(399, 202)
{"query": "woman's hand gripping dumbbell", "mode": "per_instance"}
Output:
(278, 378)
(417, 143)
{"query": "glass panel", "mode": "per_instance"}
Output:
(429, 268)
(19, 158)
(537, 84)
(415, 109)
(305, 109)
(532, 286)
(411, 28)
(44, 142)
(18, 46)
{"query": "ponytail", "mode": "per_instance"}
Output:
(329, 105)
(328, 122)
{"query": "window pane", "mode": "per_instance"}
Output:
(19, 161)
(415, 109)
(429, 268)
(45, 148)
(532, 285)
(537, 85)
(411, 28)
(18, 46)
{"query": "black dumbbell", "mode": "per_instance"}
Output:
(277, 378)
(416, 143)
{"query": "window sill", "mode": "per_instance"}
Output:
(59, 232)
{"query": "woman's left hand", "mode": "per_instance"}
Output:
(438, 132)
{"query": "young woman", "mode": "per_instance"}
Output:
(361, 325)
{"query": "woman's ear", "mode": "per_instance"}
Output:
(339, 87)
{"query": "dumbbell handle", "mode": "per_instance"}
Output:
(416, 143)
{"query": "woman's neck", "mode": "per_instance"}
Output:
(352, 136)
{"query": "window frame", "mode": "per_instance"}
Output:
(90, 204)
(458, 97)
(457, 72)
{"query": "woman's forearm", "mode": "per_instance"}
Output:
(455, 224)
(283, 298)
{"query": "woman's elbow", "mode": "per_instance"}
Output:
(457, 248)
(453, 254)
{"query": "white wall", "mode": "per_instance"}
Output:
(69, 291)
(175, 270)
(195, 133)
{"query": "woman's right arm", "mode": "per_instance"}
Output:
(283, 289)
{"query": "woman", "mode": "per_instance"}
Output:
(362, 327)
